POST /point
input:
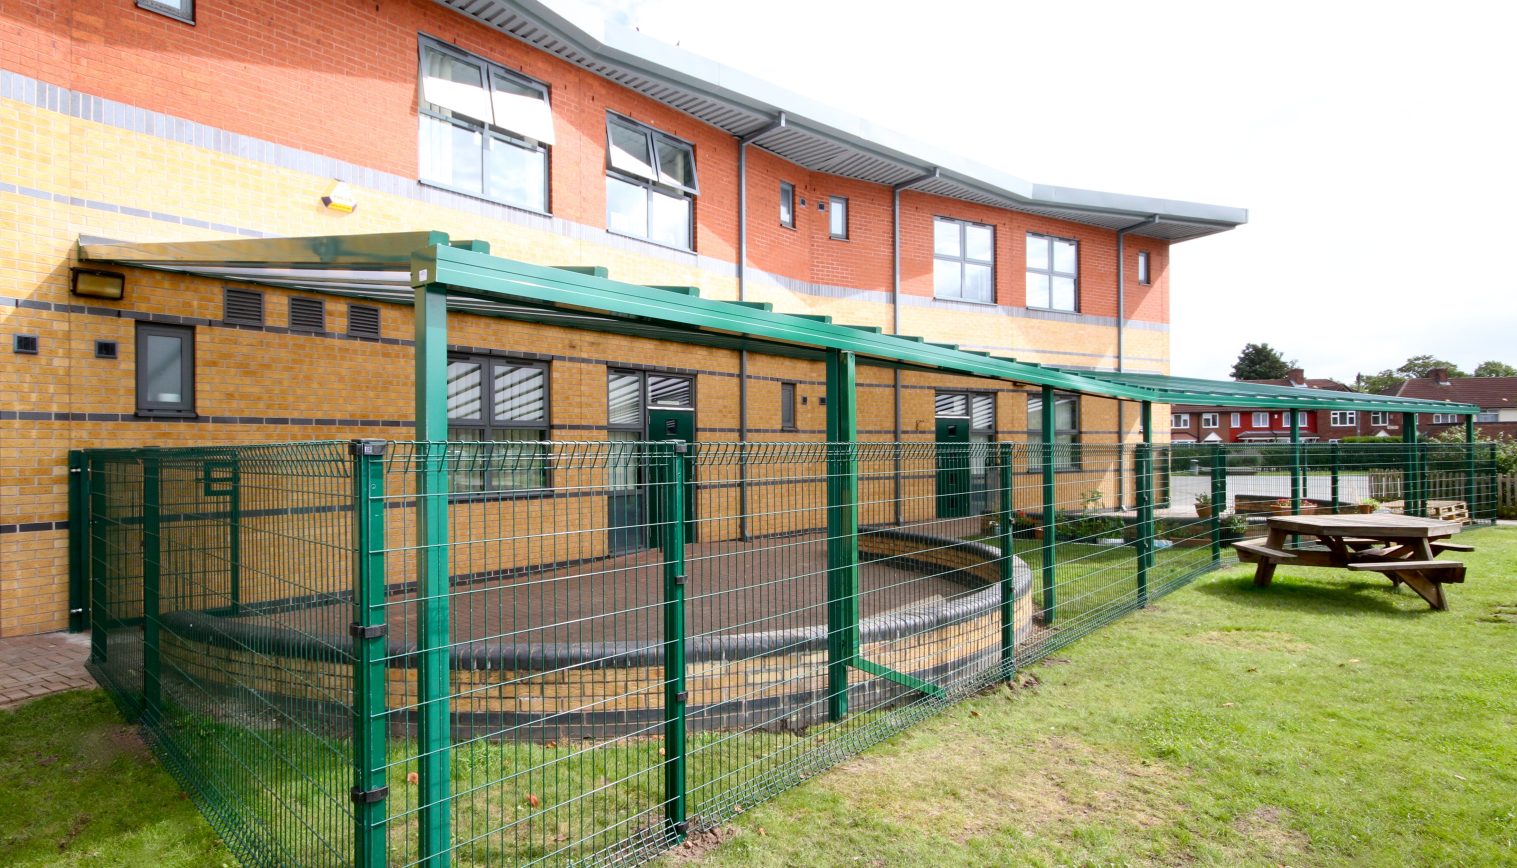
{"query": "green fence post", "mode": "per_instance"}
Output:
(1005, 536)
(1335, 456)
(234, 537)
(1218, 499)
(1409, 463)
(100, 612)
(152, 578)
(370, 648)
(675, 693)
(1297, 472)
(78, 541)
(1424, 480)
(1050, 506)
(842, 529)
(1493, 484)
(1469, 467)
(1144, 464)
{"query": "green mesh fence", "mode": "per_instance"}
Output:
(518, 653)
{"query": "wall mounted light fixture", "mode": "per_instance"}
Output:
(94, 283)
(339, 197)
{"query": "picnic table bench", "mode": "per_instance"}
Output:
(1403, 547)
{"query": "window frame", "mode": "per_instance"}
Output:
(1343, 419)
(488, 131)
(969, 396)
(1051, 272)
(1145, 272)
(184, 408)
(488, 424)
(1236, 420)
(1380, 419)
(1488, 417)
(963, 259)
(787, 202)
(832, 212)
(1216, 420)
(1445, 418)
(645, 396)
(1254, 420)
(1075, 460)
(653, 184)
(1179, 420)
(169, 11)
(788, 407)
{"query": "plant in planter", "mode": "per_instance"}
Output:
(1234, 528)
(1368, 505)
(1203, 505)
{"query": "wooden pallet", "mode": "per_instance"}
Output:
(1443, 510)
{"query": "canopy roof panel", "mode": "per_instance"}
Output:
(390, 267)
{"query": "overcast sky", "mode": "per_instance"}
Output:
(1373, 144)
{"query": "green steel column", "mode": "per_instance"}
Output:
(78, 541)
(1336, 458)
(675, 693)
(842, 529)
(1145, 484)
(1050, 506)
(100, 611)
(1218, 498)
(1297, 473)
(1409, 464)
(234, 537)
(370, 648)
(152, 579)
(1493, 484)
(1005, 536)
(1469, 467)
(1424, 480)
(432, 627)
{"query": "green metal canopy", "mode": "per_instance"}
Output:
(409, 267)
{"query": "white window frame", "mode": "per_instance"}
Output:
(497, 117)
(1445, 418)
(1211, 420)
(1237, 420)
(1488, 416)
(1179, 420)
(1381, 420)
(1344, 419)
(1256, 418)
(837, 218)
(652, 177)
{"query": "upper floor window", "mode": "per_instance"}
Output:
(1179, 420)
(1144, 277)
(837, 218)
(1261, 420)
(184, 10)
(1210, 420)
(503, 405)
(1237, 420)
(787, 205)
(1343, 418)
(165, 370)
(1487, 416)
(963, 260)
(485, 130)
(650, 183)
(1052, 273)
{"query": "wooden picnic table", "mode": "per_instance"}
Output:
(1403, 547)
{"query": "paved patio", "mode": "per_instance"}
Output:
(33, 666)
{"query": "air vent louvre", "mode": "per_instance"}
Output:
(308, 315)
(242, 306)
(363, 321)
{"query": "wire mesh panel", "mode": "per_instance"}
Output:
(523, 653)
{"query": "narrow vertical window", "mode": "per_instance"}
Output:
(165, 370)
(837, 218)
(787, 205)
(787, 406)
(1143, 275)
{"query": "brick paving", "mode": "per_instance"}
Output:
(33, 666)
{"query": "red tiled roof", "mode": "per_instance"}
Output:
(1311, 382)
(1488, 393)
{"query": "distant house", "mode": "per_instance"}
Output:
(1495, 396)
(1198, 423)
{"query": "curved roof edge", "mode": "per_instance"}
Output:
(817, 136)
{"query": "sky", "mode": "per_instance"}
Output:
(1372, 144)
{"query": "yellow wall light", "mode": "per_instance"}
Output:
(98, 284)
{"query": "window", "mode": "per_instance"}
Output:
(787, 406)
(308, 314)
(1237, 420)
(1380, 419)
(1301, 418)
(485, 130)
(963, 260)
(837, 218)
(1343, 418)
(1143, 275)
(787, 205)
(1052, 273)
(979, 407)
(363, 321)
(628, 392)
(650, 183)
(1179, 420)
(1211, 420)
(1487, 416)
(1444, 418)
(1261, 420)
(1066, 428)
(165, 370)
(502, 404)
(184, 10)
(242, 306)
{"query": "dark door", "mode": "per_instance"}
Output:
(666, 423)
(625, 512)
(953, 478)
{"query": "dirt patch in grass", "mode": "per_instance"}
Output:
(698, 844)
(1053, 785)
(1269, 835)
(1268, 641)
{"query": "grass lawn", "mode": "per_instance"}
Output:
(1325, 720)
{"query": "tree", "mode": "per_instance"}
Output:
(1495, 369)
(1378, 384)
(1416, 366)
(1261, 362)
(1423, 366)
